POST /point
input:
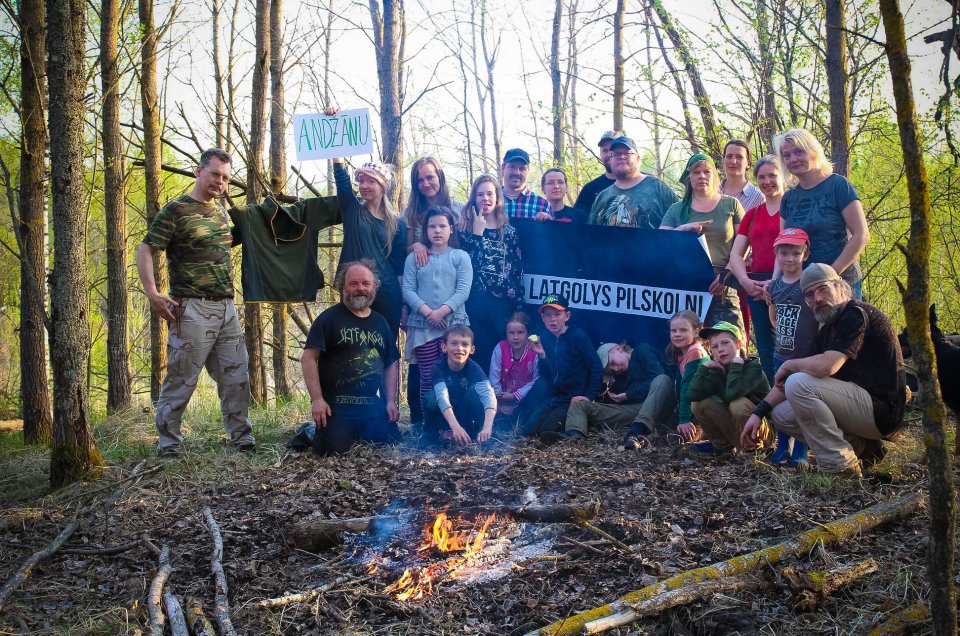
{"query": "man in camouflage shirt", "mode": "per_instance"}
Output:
(205, 331)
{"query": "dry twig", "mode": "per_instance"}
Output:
(155, 597)
(27, 568)
(178, 622)
(198, 622)
(221, 606)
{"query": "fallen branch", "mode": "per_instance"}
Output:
(673, 598)
(104, 551)
(607, 536)
(301, 597)
(197, 620)
(829, 533)
(178, 622)
(27, 568)
(221, 606)
(905, 621)
(811, 589)
(155, 596)
(315, 535)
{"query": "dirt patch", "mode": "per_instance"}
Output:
(669, 511)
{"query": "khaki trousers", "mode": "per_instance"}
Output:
(207, 334)
(655, 409)
(828, 415)
(722, 425)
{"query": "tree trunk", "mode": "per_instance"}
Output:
(253, 327)
(119, 393)
(490, 61)
(652, 80)
(34, 395)
(151, 169)
(618, 63)
(916, 301)
(573, 72)
(837, 82)
(677, 82)
(768, 124)
(278, 177)
(711, 133)
(74, 454)
(220, 114)
(388, 36)
(557, 99)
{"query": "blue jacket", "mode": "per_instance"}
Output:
(572, 366)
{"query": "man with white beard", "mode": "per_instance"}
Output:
(351, 369)
(851, 393)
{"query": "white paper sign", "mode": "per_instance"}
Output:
(343, 135)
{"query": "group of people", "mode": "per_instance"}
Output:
(450, 275)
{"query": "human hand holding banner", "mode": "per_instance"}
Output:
(317, 136)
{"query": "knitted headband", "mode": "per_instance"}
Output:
(376, 170)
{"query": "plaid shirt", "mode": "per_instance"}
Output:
(750, 197)
(526, 206)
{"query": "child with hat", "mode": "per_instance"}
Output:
(796, 326)
(569, 369)
(725, 389)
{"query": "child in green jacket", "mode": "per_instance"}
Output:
(725, 389)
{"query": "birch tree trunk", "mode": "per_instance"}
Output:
(151, 168)
(34, 394)
(253, 322)
(119, 393)
(278, 175)
(74, 454)
(837, 82)
(916, 297)
(768, 125)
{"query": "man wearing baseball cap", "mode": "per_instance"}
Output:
(588, 193)
(519, 201)
(635, 199)
(847, 396)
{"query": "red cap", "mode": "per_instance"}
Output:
(791, 236)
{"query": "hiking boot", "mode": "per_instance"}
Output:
(552, 437)
(798, 457)
(853, 471)
(781, 456)
(872, 452)
(242, 447)
(634, 440)
(171, 452)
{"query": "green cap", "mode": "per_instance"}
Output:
(693, 161)
(721, 327)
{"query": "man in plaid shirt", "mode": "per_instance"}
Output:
(519, 201)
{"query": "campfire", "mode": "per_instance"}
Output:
(454, 548)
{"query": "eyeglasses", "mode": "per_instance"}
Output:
(623, 155)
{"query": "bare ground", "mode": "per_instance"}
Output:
(675, 512)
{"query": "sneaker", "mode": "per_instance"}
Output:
(552, 437)
(634, 441)
(169, 451)
(247, 448)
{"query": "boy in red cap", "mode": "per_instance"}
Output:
(796, 326)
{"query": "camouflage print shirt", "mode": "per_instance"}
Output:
(197, 239)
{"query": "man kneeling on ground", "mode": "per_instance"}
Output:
(350, 366)
(851, 393)
(462, 405)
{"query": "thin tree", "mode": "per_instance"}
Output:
(389, 36)
(253, 325)
(768, 124)
(220, 115)
(119, 393)
(278, 177)
(619, 92)
(151, 168)
(916, 298)
(74, 454)
(838, 83)
(557, 105)
(34, 395)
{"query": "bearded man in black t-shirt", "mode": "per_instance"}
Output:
(350, 366)
(851, 394)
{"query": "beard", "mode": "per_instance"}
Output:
(357, 302)
(828, 315)
(625, 173)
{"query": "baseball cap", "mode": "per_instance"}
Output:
(555, 301)
(791, 236)
(624, 141)
(604, 352)
(516, 154)
(610, 135)
(722, 327)
(817, 273)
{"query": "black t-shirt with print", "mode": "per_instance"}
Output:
(874, 360)
(354, 352)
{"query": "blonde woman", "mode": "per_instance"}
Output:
(704, 211)
(824, 205)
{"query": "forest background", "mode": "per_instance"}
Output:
(460, 80)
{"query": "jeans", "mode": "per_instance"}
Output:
(763, 331)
